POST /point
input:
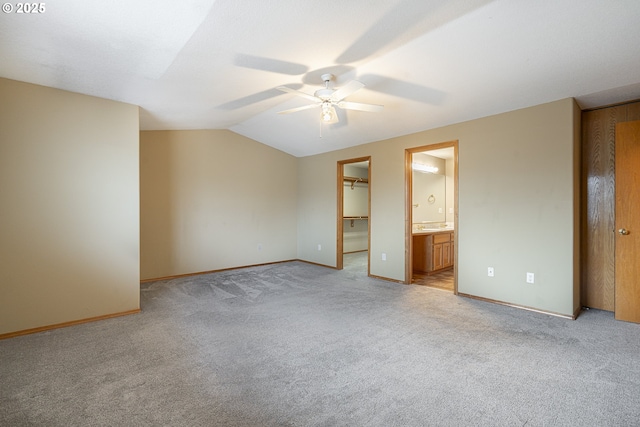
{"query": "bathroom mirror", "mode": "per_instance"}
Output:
(431, 200)
(429, 197)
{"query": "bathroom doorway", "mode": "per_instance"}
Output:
(354, 208)
(431, 175)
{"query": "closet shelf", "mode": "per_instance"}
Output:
(355, 217)
(354, 179)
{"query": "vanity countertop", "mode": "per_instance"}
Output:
(432, 231)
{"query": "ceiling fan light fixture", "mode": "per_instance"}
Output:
(326, 112)
(324, 94)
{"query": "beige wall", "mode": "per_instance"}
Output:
(70, 175)
(212, 199)
(517, 205)
(69, 216)
(450, 189)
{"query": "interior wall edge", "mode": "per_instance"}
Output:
(572, 316)
(67, 324)
(199, 273)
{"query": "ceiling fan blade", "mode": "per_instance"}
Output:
(269, 64)
(304, 107)
(372, 108)
(297, 92)
(346, 90)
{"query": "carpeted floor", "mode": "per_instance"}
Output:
(295, 344)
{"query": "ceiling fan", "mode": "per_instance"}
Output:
(327, 99)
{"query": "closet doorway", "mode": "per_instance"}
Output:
(431, 175)
(354, 209)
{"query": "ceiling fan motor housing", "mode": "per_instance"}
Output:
(326, 78)
(324, 94)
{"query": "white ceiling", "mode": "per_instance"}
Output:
(441, 153)
(215, 64)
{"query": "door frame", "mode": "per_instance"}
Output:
(408, 179)
(340, 212)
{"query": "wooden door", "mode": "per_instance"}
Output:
(627, 271)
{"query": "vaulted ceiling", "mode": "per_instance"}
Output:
(215, 64)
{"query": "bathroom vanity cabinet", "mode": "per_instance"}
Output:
(433, 251)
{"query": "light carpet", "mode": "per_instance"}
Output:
(295, 344)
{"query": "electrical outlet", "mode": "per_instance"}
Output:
(530, 278)
(384, 256)
(259, 247)
(490, 271)
(319, 247)
(439, 210)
